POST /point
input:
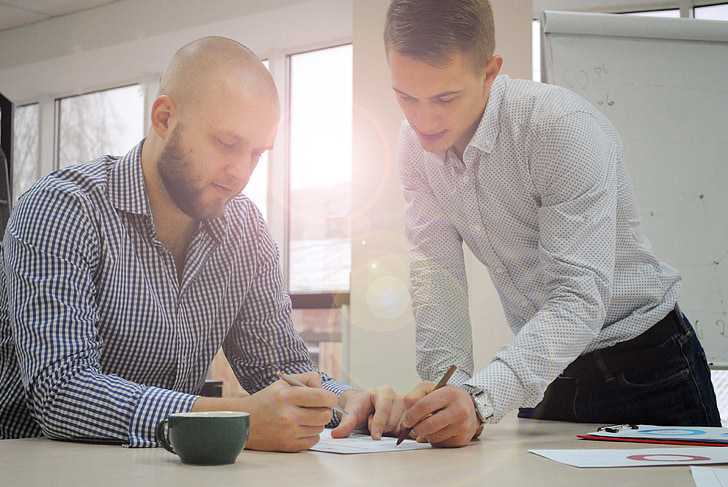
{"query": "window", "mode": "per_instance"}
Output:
(321, 330)
(675, 12)
(103, 122)
(536, 49)
(257, 187)
(712, 12)
(320, 170)
(26, 148)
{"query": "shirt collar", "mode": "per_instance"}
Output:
(487, 132)
(126, 183)
(217, 227)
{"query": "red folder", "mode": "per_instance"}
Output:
(649, 440)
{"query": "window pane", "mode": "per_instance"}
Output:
(658, 13)
(26, 146)
(321, 330)
(713, 12)
(536, 49)
(104, 122)
(257, 187)
(320, 177)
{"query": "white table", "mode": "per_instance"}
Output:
(500, 459)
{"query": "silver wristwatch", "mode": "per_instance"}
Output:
(483, 409)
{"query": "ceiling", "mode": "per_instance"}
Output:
(16, 13)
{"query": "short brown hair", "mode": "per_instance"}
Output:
(433, 30)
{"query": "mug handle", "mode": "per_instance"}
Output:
(162, 432)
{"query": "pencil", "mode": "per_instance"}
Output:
(404, 433)
(292, 381)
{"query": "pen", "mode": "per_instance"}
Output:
(404, 433)
(292, 381)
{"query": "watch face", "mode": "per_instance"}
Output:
(482, 409)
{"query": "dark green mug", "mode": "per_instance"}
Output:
(205, 438)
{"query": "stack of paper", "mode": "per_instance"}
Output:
(672, 435)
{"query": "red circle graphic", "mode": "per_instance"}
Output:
(683, 458)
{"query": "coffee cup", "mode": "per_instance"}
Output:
(205, 438)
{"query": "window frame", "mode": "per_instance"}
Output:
(652, 10)
(12, 167)
(7, 107)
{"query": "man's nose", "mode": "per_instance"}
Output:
(238, 171)
(427, 120)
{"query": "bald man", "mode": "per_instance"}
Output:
(124, 276)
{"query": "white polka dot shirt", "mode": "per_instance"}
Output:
(542, 199)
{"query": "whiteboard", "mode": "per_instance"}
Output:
(663, 83)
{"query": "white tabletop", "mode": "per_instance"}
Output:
(501, 458)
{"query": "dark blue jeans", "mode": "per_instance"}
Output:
(660, 377)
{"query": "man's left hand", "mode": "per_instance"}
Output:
(379, 411)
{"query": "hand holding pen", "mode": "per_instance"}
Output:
(404, 432)
(292, 381)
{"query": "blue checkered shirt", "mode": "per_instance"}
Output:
(99, 340)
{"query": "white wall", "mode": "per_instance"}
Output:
(382, 327)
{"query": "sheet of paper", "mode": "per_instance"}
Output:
(644, 457)
(662, 433)
(709, 476)
(363, 444)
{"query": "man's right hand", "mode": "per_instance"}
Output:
(282, 417)
(445, 417)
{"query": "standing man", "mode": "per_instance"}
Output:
(124, 277)
(531, 177)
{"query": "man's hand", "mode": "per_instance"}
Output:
(282, 417)
(445, 417)
(379, 411)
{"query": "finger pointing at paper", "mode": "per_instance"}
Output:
(377, 411)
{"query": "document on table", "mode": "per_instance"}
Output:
(358, 443)
(645, 457)
(680, 435)
(710, 477)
